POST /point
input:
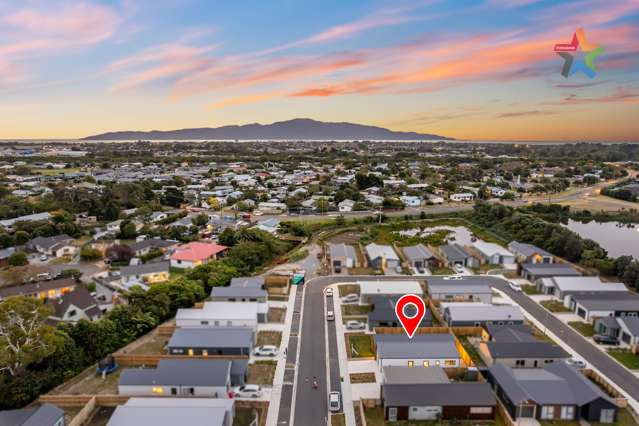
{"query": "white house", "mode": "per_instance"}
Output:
(462, 196)
(346, 206)
(223, 314)
(411, 200)
(435, 199)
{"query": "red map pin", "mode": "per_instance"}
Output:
(410, 323)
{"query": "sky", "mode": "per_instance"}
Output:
(481, 70)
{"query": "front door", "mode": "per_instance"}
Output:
(392, 414)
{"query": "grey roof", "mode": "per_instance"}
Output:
(439, 394)
(525, 350)
(383, 309)
(151, 243)
(342, 250)
(610, 322)
(192, 372)
(557, 383)
(466, 280)
(631, 323)
(247, 282)
(420, 346)
(5, 253)
(44, 415)
(207, 337)
(36, 287)
(510, 332)
(551, 269)
(145, 268)
(375, 251)
(527, 249)
(607, 301)
(238, 291)
(396, 374)
(454, 252)
(167, 416)
(49, 242)
(418, 252)
(482, 312)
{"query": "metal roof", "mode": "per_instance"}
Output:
(420, 346)
(418, 252)
(184, 372)
(377, 250)
(207, 337)
(525, 350)
(395, 374)
(482, 312)
(167, 416)
(439, 394)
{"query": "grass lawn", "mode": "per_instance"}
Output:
(244, 416)
(554, 306)
(472, 351)
(55, 172)
(355, 309)
(530, 290)
(441, 271)
(363, 378)
(360, 271)
(261, 372)
(585, 329)
(360, 345)
(298, 255)
(345, 289)
(94, 384)
(276, 315)
(338, 420)
(269, 338)
(152, 345)
(625, 357)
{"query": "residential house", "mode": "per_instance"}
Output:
(269, 225)
(557, 392)
(560, 287)
(411, 200)
(528, 253)
(435, 199)
(625, 329)
(468, 289)
(212, 341)
(527, 354)
(41, 289)
(174, 411)
(381, 256)
(511, 333)
(181, 377)
(346, 206)
(147, 273)
(5, 254)
(493, 254)
(423, 350)
(419, 256)
(222, 314)
(58, 246)
(370, 290)
(536, 271)
(591, 305)
(455, 254)
(43, 415)
(478, 314)
(342, 256)
(382, 313)
(36, 217)
(239, 294)
(195, 253)
(74, 306)
(142, 247)
(462, 197)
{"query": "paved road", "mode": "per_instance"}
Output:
(601, 361)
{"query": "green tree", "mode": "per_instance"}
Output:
(200, 220)
(18, 258)
(127, 230)
(89, 253)
(21, 237)
(227, 237)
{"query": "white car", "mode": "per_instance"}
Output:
(265, 350)
(43, 258)
(328, 292)
(514, 286)
(330, 316)
(350, 298)
(355, 325)
(459, 268)
(334, 401)
(454, 277)
(577, 363)
(247, 391)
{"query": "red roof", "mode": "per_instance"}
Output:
(197, 251)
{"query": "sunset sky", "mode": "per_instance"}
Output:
(481, 70)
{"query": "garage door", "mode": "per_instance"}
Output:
(424, 413)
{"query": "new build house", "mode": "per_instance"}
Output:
(561, 287)
(211, 341)
(419, 256)
(528, 253)
(591, 305)
(370, 290)
(467, 289)
(479, 314)
(174, 411)
(382, 313)
(536, 271)
(223, 314)
(381, 256)
(493, 254)
(531, 354)
(423, 350)
(342, 256)
(455, 254)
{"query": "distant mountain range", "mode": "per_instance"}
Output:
(297, 129)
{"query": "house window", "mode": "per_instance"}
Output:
(426, 363)
(520, 363)
(607, 416)
(411, 363)
(72, 312)
(481, 410)
(173, 391)
(229, 323)
(567, 412)
(190, 352)
(158, 390)
(437, 363)
(204, 323)
(205, 352)
(450, 363)
(547, 412)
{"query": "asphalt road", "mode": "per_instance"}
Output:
(311, 405)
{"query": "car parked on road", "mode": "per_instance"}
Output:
(334, 401)
(602, 339)
(355, 325)
(454, 277)
(266, 350)
(247, 391)
(330, 316)
(514, 286)
(328, 292)
(350, 298)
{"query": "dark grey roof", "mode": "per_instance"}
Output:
(80, 298)
(48, 242)
(527, 249)
(145, 268)
(466, 280)
(238, 291)
(396, 374)
(342, 250)
(557, 384)
(551, 269)
(610, 322)
(510, 332)
(631, 323)
(36, 287)
(439, 394)
(247, 282)
(418, 252)
(454, 252)
(192, 372)
(525, 350)
(208, 337)
(44, 415)
(607, 300)
(420, 346)
(151, 243)
(126, 415)
(383, 309)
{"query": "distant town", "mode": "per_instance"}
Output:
(255, 283)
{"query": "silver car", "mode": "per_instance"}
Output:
(355, 325)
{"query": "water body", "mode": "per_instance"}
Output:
(618, 239)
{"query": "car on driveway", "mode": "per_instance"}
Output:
(334, 401)
(577, 363)
(514, 286)
(43, 258)
(355, 325)
(265, 350)
(350, 298)
(459, 268)
(602, 339)
(247, 391)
